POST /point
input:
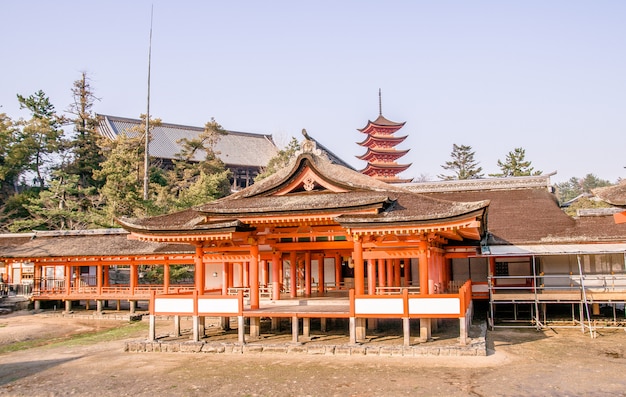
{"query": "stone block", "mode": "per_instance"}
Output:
(316, 349)
(275, 349)
(191, 347)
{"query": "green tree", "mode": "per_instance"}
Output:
(60, 206)
(12, 161)
(462, 164)
(192, 182)
(86, 153)
(41, 137)
(121, 176)
(575, 187)
(280, 160)
(515, 164)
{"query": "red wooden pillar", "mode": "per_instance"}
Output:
(245, 267)
(293, 270)
(371, 276)
(276, 266)
(266, 273)
(254, 276)
(397, 279)
(407, 272)
(106, 282)
(359, 271)
(423, 267)
(225, 277)
(382, 272)
(134, 277)
(98, 277)
(389, 270)
(239, 275)
(68, 278)
(166, 278)
(199, 269)
(320, 271)
(307, 273)
(337, 270)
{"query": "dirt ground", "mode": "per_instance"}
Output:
(562, 362)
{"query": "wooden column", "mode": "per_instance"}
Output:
(293, 270)
(98, 277)
(245, 266)
(407, 272)
(254, 276)
(266, 273)
(276, 261)
(371, 276)
(240, 275)
(225, 278)
(134, 277)
(337, 270)
(389, 268)
(321, 289)
(397, 279)
(359, 272)
(199, 268)
(423, 267)
(166, 278)
(382, 272)
(307, 273)
(68, 279)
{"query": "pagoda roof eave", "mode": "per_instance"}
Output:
(382, 167)
(392, 153)
(379, 138)
(381, 121)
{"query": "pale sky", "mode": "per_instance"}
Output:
(548, 76)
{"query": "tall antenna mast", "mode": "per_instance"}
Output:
(146, 159)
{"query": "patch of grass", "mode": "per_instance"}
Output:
(124, 331)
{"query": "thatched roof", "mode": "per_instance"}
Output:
(103, 242)
(526, 215)
(614, 195)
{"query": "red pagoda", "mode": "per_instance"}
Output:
(381, 152)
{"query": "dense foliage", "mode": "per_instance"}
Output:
(58, 173)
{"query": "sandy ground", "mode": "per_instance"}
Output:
(520, 363)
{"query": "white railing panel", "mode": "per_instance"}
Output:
(171, 305)
(378, 306)
(434, 306)
(217, 306)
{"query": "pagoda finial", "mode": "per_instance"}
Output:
(380, 103)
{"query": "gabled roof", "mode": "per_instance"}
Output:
(234, 149)
(313, 187)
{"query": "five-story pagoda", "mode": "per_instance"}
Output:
(382, 155)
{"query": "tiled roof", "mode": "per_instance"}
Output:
(234, 148)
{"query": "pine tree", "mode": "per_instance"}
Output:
(280, 160)
(462, 165)
(515, 165)
(86, 153)
(41, 138)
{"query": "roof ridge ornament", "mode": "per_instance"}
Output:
(308, 145)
